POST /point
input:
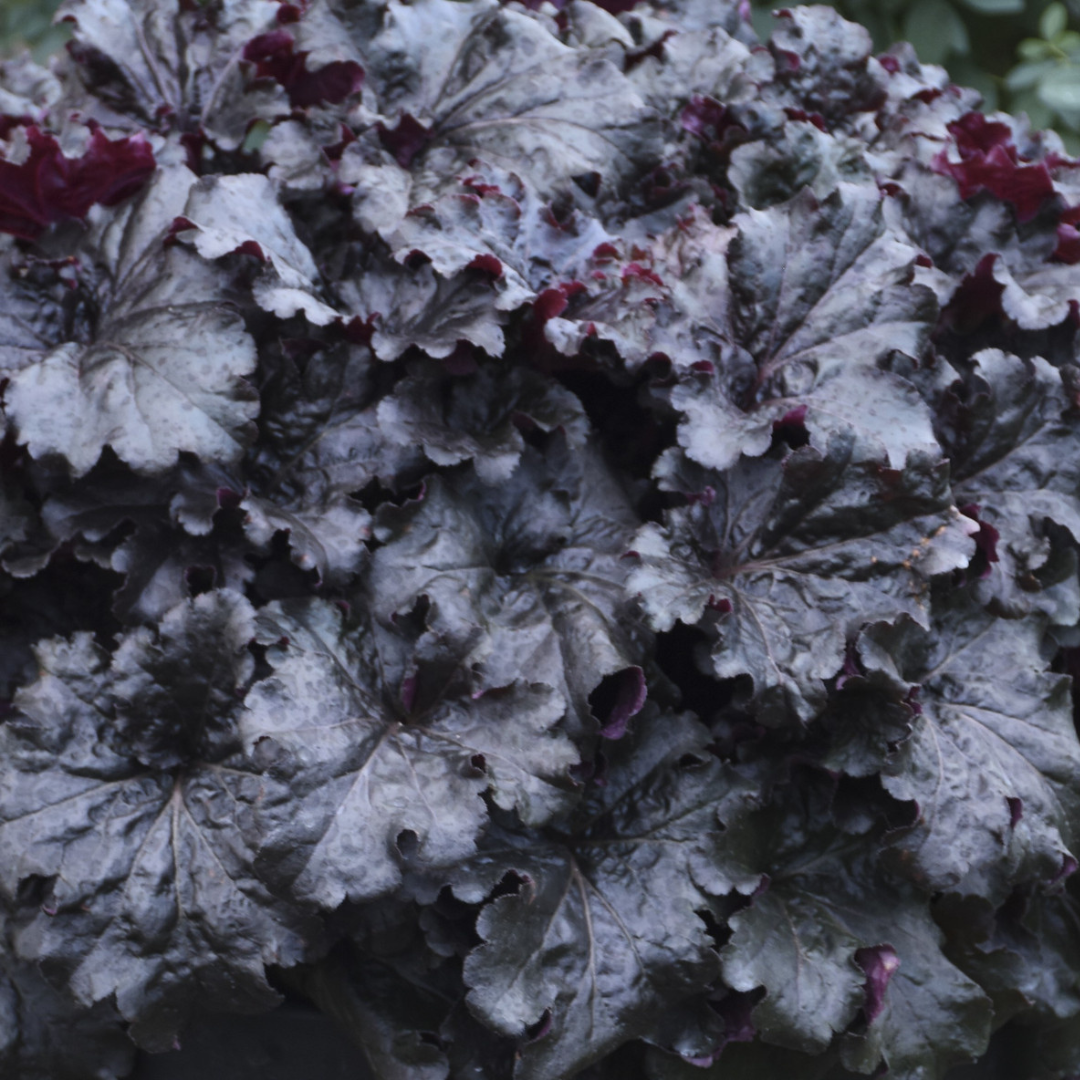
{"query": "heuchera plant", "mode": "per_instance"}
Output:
(547, 530)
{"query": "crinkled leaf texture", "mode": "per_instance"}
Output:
(44, 1036)
(120, 787)
(361, 772)
(1011, 438)
(833, 942)
(553, 527)
(486, 81)
(148, 60)
(163, 371)
(588, 938)
(819, 299)
(785, 559)
(479, 418)
(522, 578)
(993, 764)
(224, 215)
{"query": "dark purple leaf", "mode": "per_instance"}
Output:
(48, 187)
(275, 57)
(989, 160)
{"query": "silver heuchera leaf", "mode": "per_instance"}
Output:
(416, 307)
(523, 577)
(152, 530)
(328, 539)
(31, 312)
(358, 774)
(819, 299)
(122, 787)
(227, 214)
(322, 442)
(831, 74)
(492, 83)
(476, 417)
(386, 1013)
(1013, 443)
(1033, 951)
(785, 560)
(146, 59)
(164, 371)
(486, 218)
(710, 63)
(46, 1036)
(771, 171)
(602, 931)
(993, 763)
(827, 935)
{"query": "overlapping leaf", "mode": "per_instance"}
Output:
(521, 578)
(476, 418)
(489, 82)
(785, 559)
(819, 299)
(44, 1036)
(1012, 438)
(1024, 954)
(33, 317)
(155, 531)
(588, 940)
(993, 765)
(413, 306)
(163, 371)
(229, 214)
(487, 219)
(646, 260)
(119, 787)
(366, 765)
(321, 444)
(836, 947)
(150, 61)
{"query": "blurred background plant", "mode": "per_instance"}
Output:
(1021, 55)
(27, 24)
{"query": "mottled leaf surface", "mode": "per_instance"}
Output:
(479, 417)
(163, 371)
(993, 765)
(358, 760)
(1012, 432)
(119, 788)
(787, 557)
(585, 935)
(489, 82)
(809, 935)
(240, 214)
(145, 60)
(806, 339)
(45, 1036)
(522, 579)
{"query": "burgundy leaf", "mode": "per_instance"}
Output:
(880, 963)
(49, 187)
(630, 692)
(275, 58)
(989, 161)
(1068, 245)
(406, 140)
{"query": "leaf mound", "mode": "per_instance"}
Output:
(549, 530)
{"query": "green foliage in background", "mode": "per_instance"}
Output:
(1021, 55)
(28, 24)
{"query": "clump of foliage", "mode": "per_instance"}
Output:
(1022, 55)
(549, 531)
